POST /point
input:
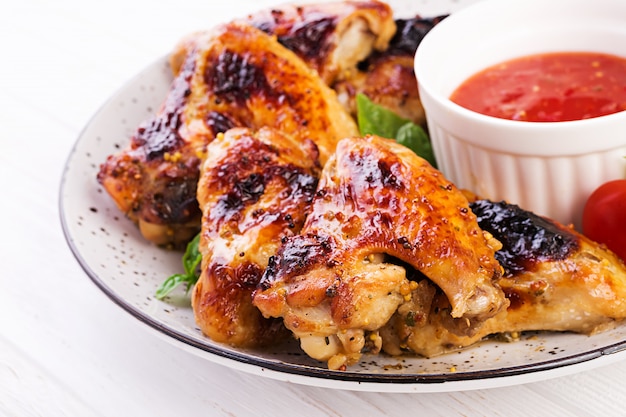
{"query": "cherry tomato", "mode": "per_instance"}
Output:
(604, 216)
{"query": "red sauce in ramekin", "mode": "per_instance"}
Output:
(549, 87)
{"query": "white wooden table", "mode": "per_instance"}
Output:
(65, 348)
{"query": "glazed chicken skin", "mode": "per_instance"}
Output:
(255, 189)
(333, 284)
(232, 76)
(332, 38)
(555, 279)
(387, 76)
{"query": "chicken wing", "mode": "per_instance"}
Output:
(555, 278)
(387, 77)
(332, 37)
(254, 191)
(234, 75)
(378, 206)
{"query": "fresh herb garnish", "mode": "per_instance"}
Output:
(374, 119)
(191, 263)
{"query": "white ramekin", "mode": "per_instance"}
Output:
(549, 168)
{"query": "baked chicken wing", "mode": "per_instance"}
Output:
(232, 76)
(254, 191)
(387, 77)
(555, 279)
(379, 210)
(331, 37)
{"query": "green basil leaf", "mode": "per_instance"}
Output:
(413, 137)
(374, 119)
(170, 284)
(192, 256)
(191, 263)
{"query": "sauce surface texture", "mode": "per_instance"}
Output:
(550, 87)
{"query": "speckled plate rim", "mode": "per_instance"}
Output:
(440, 382)
(318, 376)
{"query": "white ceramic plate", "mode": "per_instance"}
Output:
(128, 270)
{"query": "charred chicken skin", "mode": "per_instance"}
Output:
(232, 76)
(555, 279)
(377, 200)
(254, 191)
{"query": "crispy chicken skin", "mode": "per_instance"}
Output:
(254, 191)
(332, 37)
(232, 76)
(377, 200)
(387, 77)
(555, 278)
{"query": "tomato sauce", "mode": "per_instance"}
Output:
(548, 87)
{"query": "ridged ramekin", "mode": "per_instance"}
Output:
(549, 168)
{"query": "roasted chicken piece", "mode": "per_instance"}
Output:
(387, 77)
(377, 201)
(332, 37)
(254, 191)
(555, 279)
(234, 75)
